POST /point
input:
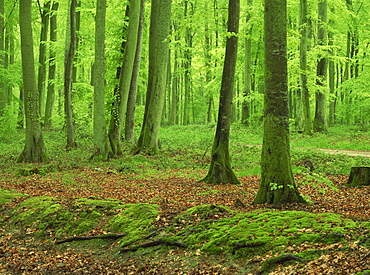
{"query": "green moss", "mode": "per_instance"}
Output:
(7, 196)
(136, 220)
(82, 224)
(260, 231)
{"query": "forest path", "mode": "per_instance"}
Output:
(354, 153)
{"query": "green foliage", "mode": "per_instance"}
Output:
(7, 196)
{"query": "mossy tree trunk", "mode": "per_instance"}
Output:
(148, 142)
(277, 184)
(359, 176)
(34, 150)
(220, 170)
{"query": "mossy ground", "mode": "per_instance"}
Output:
(207, 231)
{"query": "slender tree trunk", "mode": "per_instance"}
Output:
(307, 120)
(220, 170)
(320, 124)
(277, 184)
(52, 67)
(78, 27)
(247, 69)
(101, 148)
(131, 101)
(119, 113)
(3, 94)
(160, 19)
(34, 150)
(44, 14)
(68, 67)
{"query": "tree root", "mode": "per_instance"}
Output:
(153, 243)
(278, 260)
(84, 238)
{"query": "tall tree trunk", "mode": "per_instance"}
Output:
(3, 92)
(277, 184)
(52, 67)
(160, 19)
(34, 150)
(331, 79)
(101, 148)
(247, 68)
(320, 124)
(120, 107)
(78, 27)
(220, 170)
(68, 67)
(131, 101)
(307, 121)
(41, 77)
(187, 63)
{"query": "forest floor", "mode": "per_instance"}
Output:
(176, 194)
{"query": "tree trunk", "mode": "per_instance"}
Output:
(52, 67)
(71, 48)
(118, 114)
(277, 184)
(3, 94)
(131, 101)
(101, 148)
(220, 170)
(34, 150)
(307, 121)
(160, 19)
(359, 176)
(247, 70)
(41, 77)
(320, 124)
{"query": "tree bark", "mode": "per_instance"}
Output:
(307, 121)
(277, 184)
(119, 113)
(320, 124)
(34, 150)
(131, 101)
(160, 19)
(101, 148)
(247, 69)
(52, 67)
(68, 67)
(220, 170)
(41, 77)
(359, 176)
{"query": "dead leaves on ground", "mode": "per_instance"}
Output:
(174, 194)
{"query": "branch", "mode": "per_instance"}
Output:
(154, 243)
(84, 238)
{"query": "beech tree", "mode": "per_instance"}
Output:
(220, 170)
(68, 69)
(34, 150)
(101, 148)
(277, 184)
(158, 60)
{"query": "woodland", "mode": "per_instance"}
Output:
(184, 137)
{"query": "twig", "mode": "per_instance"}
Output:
(84, 238)
(154, 243)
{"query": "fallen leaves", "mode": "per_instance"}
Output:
(174, 194)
